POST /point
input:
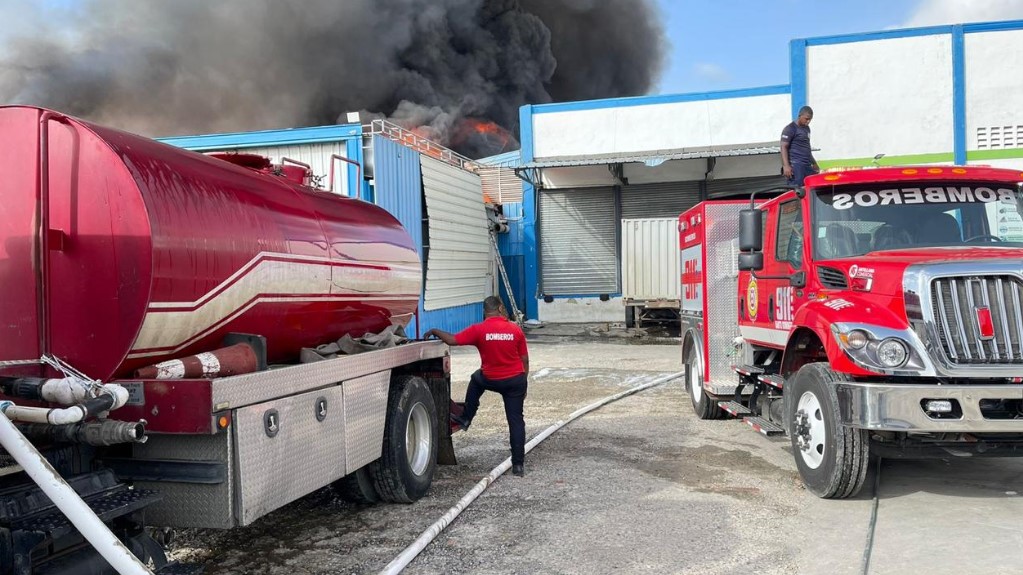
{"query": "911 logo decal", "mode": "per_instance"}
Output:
(783, 308)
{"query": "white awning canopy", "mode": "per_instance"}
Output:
(685, 164)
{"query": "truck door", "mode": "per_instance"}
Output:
(789, 256)
(771, 301)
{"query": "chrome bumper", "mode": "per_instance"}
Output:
(887, 407)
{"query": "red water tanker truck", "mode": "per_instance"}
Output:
(875, 311)
(118, 253)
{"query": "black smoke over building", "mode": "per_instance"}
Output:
(458, 70)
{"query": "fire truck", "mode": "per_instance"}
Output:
(156, 305)
(873, 312)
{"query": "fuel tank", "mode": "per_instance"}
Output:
(117, 251)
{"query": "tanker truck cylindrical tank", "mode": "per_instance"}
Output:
(118, 252)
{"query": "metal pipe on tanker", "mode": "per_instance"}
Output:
(64, 497)
(111, 397)
(95, 433)
(358, 173)
(42, 219)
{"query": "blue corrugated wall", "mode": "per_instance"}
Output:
(513, 253)
(399, 190)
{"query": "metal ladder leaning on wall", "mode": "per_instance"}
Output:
(519, 318)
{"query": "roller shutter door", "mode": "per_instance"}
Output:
(579, 242)
(742, 186)
(661, 200)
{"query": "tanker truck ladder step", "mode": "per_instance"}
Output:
(749, 370)
(734, 408)
(31, 518)
(774, 380)
(107, 507)
(764, 426)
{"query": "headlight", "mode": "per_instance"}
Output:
(892, 352)
(880, 349)
(857, 339)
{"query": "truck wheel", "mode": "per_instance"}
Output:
(704, 404)
(357, 487)
(405, 469)
(630, 316)
(832, 459)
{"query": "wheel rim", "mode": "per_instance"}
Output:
(694, 376)
(810, 430)
(418, 438)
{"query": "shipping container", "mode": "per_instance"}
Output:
(650, 270)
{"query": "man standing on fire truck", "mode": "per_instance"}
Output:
(504, 370)
(796, 156)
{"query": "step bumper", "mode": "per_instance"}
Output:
(900, 407)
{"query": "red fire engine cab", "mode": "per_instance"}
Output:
(874, 312)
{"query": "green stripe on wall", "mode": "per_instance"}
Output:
(1006, 154)
(894, 160)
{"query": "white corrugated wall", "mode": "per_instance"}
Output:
(650, 259)
(317, 156)
(458, 260)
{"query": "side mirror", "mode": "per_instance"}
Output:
(751, 262)
(751, 231)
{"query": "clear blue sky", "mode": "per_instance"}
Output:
(726, 44)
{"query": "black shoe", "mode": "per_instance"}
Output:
(518, 470)
(462, 422)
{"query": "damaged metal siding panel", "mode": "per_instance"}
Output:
(458, 248)
(501, 185)
(399, 190)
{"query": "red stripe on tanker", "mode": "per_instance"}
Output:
(163, 251)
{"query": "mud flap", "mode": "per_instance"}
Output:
(446, 449)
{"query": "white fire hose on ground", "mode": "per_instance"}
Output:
(64, 497)
(401, 561)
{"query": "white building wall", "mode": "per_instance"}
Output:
(671, 126)
(891, 96)
(318, 156)
(748, 166)
(994, 98)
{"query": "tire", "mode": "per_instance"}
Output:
(401, 475)
(704, 404)
(832, 459)
(630, 316)
(357, 487)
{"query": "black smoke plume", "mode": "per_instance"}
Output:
(457, 70)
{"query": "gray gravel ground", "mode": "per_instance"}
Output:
(640, 486)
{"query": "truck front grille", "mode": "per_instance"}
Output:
(959, 304)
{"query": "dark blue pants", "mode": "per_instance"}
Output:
(799, 173)
(513, 391)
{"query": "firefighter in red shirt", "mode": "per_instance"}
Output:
(505, 359)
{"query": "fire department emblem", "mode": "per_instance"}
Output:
(752, 299)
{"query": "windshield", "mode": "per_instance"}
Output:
(855, 220)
